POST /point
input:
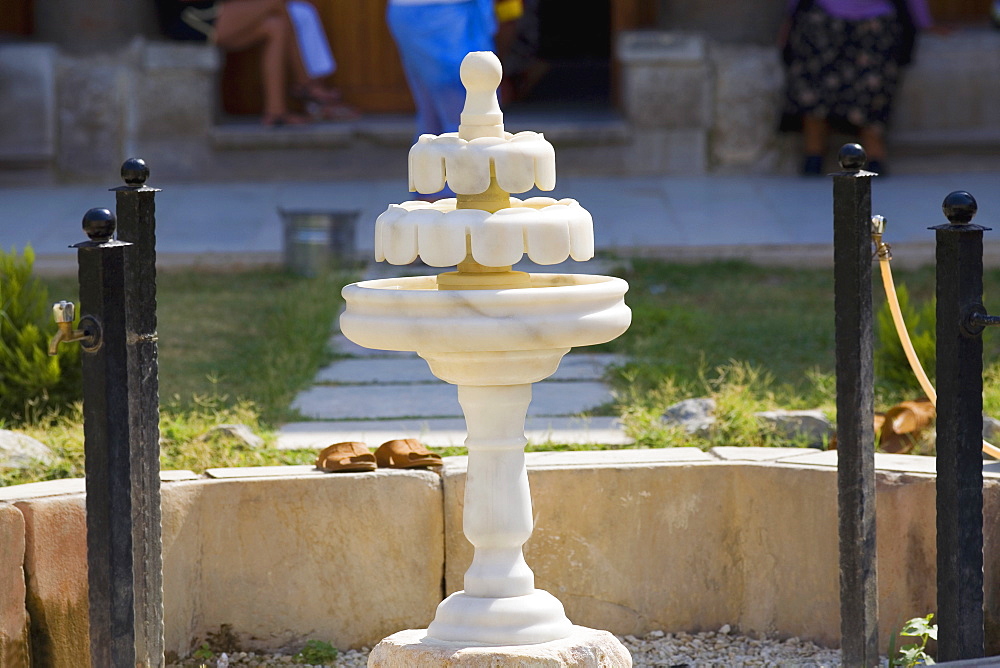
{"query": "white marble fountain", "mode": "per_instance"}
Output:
(492, 332)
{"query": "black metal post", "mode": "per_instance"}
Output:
(855, 409)
(135, 207)
(107, 435)
(959, 431)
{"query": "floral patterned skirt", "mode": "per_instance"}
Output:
(843, 71)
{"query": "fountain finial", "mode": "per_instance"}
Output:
(481, 73)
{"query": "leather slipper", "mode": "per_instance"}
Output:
(346, 457)
(405, 453)
(904, 424)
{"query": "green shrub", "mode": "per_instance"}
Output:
(32, 384)
(892, 369)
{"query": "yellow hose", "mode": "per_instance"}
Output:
(904, 337)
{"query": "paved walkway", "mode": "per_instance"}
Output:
(372, 397)
(776, 218)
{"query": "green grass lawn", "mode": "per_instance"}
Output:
(257, 336)
(754, 338)
(237, 347)
(233, 348)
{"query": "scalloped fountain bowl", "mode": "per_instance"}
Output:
(476, 329)
(557, 311)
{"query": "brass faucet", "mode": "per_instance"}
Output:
(882, 249)
(64, 313)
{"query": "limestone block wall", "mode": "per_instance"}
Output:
(14, 629)
(953, 86)
(630, 541)
(704, 105)
(55, 568)
(348, 559)
(696, 105)
(28, 103)
(83, 112)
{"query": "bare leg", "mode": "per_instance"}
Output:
(300, 78)
(873, 139)
(245, 23)
(815, 132)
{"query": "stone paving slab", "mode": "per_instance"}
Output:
(448, 432)
(399, 370)
(345, 402)
(396, 370)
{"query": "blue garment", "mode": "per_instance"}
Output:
(432, 40)
(311, 38)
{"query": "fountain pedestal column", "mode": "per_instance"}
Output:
(499, 605)
(499, 618)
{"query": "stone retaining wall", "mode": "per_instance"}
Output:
(630, 540)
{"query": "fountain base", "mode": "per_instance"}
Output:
(537, 617)
(582, 648)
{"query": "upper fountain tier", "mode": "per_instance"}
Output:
(483, 164)
(464, 159)
(519, 163)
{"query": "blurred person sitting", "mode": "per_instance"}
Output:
(294, 49)
(433, 36)
(843, 60)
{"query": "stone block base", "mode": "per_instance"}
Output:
(585, 648)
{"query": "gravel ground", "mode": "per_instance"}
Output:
(655, 650)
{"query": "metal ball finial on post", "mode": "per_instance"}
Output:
(134, 172)
(852, 157)
(959, 207)
(99, 225)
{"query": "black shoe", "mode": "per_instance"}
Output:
(812, 165)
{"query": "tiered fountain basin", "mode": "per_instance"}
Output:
(519, 161)
(533, 327)
(545, 229)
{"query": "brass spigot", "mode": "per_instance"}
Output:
(882, 249)
(64, 313)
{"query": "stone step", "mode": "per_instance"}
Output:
(567, 126)
(346, 402)
(409, 370)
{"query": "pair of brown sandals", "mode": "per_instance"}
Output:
(352, 456)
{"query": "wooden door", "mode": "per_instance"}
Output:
(627, 15)
(369, 74)
(17, 17)
(960, 11)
